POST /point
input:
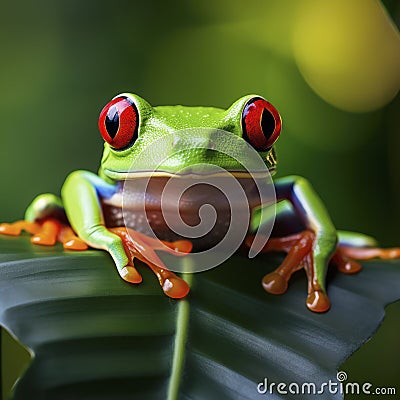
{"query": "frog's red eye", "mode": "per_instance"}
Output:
(118, 122)
(261, 124)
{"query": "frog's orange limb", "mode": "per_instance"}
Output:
(297, 246)
(142, 247)
(345, 256)
(172, 285)
(299, 255)
(47, 234)
(177, 248)
(366, 253)
(180, 247)
(15, 228)
(44, 233)
(344, 263)
(70, 241)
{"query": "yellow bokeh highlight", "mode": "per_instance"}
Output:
(348, 52)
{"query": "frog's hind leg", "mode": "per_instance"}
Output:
(15, 228)
(356, 246)
(142, 247)
(45, 206)
(45, 220)
(40, 220)
(355, 239)
(44, 233)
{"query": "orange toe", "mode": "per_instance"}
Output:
(10, 229)
(274, 283)
(75, 244)
(130, 274)
(318, 301)
(349, 267)
(175, 287)
(43, 240)
(181, 246)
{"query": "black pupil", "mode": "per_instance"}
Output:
(112, 121)
(267, 123)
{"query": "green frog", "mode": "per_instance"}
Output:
(90, 210)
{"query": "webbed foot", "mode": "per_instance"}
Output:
(137, 245)
(46, 233)
(299, 249)
(346, 256)
(367, 253)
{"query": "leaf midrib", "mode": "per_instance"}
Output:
(181, 335)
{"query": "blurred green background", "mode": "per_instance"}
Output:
(331, 69)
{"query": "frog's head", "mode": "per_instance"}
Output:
(151, 138)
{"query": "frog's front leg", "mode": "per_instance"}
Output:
(81, 194)
(310, 249)
(298, 208)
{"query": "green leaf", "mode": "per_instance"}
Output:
(95, 336)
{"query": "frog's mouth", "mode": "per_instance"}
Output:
(200, 170)
(125, 175)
